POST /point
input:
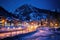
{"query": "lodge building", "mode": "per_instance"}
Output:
(43, 22)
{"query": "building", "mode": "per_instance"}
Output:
(4, 21)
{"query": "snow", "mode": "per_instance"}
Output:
(39, 33)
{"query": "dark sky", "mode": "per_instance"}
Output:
(11, 5)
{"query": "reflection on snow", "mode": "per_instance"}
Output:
(38, 35)
(44, 34)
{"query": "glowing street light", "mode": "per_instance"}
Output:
(3, 21)
(56, 24)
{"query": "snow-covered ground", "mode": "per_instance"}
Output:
(42, 33)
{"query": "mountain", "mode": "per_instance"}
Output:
(6, 14)
(29, 12)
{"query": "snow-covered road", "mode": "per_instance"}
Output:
(40, 34)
